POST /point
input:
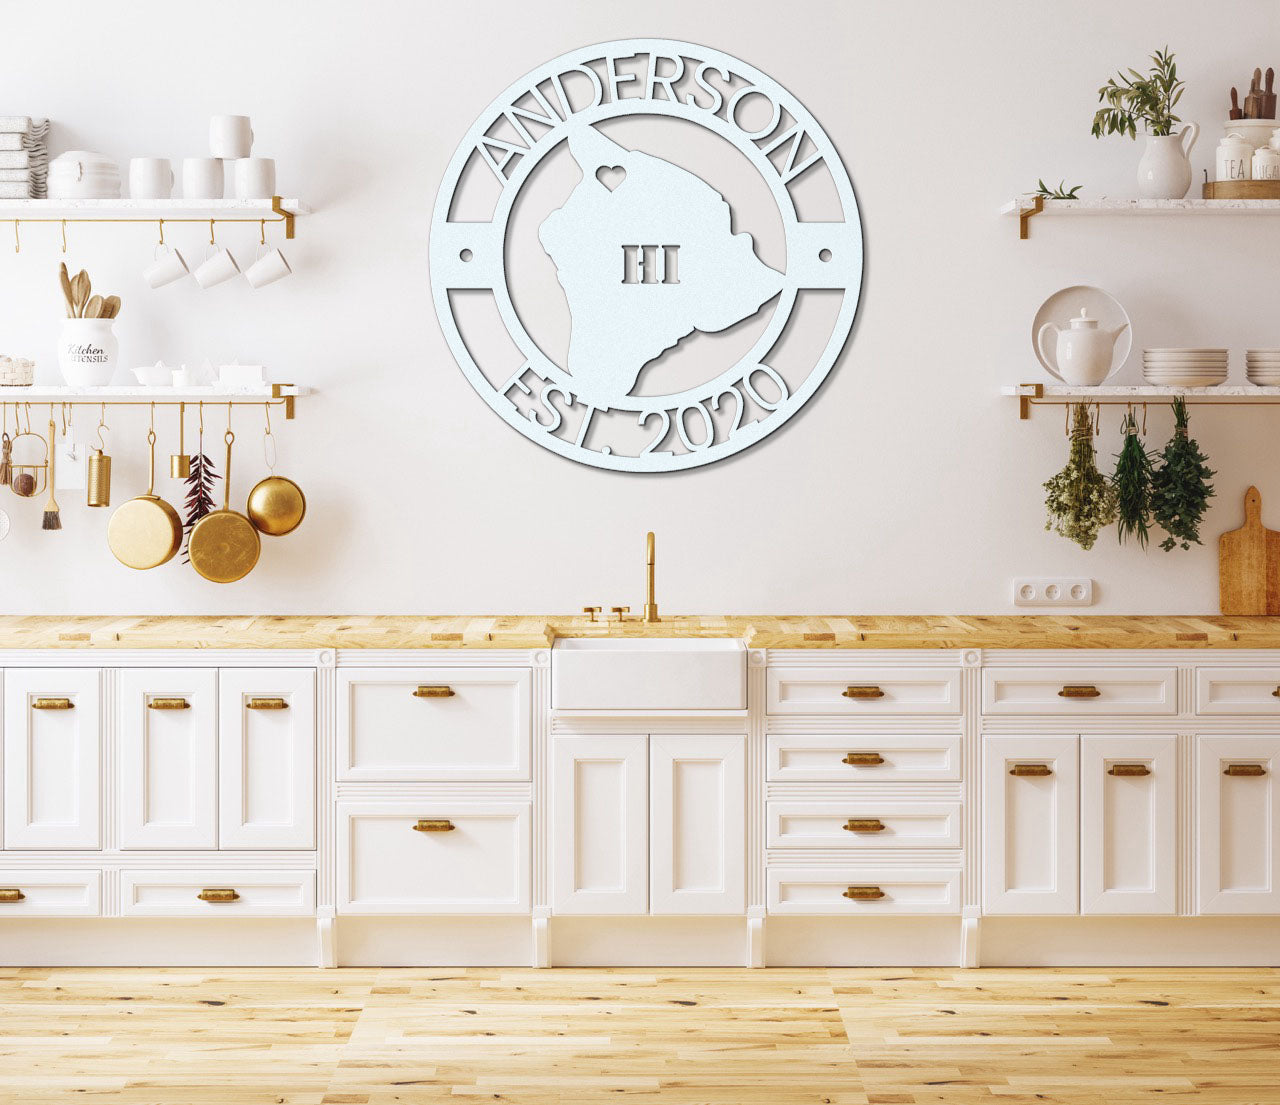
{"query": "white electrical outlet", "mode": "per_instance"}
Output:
(1053, 591)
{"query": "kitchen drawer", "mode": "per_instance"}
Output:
(860, 823)
(1079, 692)
(479, 865)
(50, 894)
(1238, 691)
(225, 893)
(434, 724)
(863, 758)
(863, 691)
(890, 890)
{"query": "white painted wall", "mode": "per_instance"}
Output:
(907, 485)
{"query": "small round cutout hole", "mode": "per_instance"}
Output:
(824, 255)
(465, 255)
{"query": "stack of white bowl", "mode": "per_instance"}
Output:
(1185, 368)
(1262, 367)
(81, 175)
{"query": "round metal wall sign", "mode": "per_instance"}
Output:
(648, 255)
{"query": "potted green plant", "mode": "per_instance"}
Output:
(1165, 169)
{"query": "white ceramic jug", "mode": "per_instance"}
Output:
(1164, 173)
(1082, 355)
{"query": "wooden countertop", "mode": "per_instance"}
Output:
(532, 631)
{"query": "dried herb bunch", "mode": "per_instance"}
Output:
(1132, 481)
(1180, 490)
(1080, 500)
(199, 501)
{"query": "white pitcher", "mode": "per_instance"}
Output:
(1164, 173)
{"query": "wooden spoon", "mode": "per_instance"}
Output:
(65, 281)
(110, 307)
(80, 289)
(93, 309)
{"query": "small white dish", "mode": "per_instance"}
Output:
(1067, 303)
(157, 375)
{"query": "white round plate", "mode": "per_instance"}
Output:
(1177, 349)
(1190, 382)
(1065, 304)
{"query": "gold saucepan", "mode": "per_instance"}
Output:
(145, 532)
(223, 545)
(276, 505)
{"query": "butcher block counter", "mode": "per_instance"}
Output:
(537, 631)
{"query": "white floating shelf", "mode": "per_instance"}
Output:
(1027, 207)
(136, 395)
(276, 209)
(1034, 395)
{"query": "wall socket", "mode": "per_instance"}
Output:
(1052, 591)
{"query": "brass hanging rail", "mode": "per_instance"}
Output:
(153, 211)
(273, 395)
(1040, 395)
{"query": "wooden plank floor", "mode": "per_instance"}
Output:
(688, 1037)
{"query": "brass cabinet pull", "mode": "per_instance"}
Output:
(433, 692)
(266, 704)
(864, 893)
(53, 704)
(1276, 693)
(1126, 770)
(434, 825)
(168, 704)
(864, 825)
(862, 759)
(870, 691)
(1033, 771)
(1079, 690)
(218, 894)
(1248, 770)
(11, 894)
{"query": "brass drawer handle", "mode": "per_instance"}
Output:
(1247, 770)
(168, 704)
(870, 691)
(1276, 693)
(864, 825)
(1128, 770)
(1031, 771)
(434, 825)
(266, 704)
(863, 759)
(433, 692)
(864, 893)
(1079, 690)
(53, 704)
(11, 894)
(218, 894)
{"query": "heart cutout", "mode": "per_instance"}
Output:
(611, 176)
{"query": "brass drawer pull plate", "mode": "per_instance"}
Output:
(266, 704)
(1079, 690)
(863, 759)
(168, 704)
(864, 825)
(1245, 770)
(53, 704)
(434, 825)
(218, 894)
(11, 894)
(1276, 693)
(1128, 770)
(433, 692)
(864, 893)
(862, 692)
(1031, 771)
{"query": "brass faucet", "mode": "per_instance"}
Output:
(650, 602)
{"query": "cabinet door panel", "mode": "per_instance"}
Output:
(1238, 827)
(600, 825)
(168, 746)
(697, 825)
(52, 758)
(1031, 822)
(267, 724)
(1128, 824)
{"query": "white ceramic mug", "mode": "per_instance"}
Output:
(201, 178)
(230, 136)
(216, 268)
(165, 269)
(255, 178)
(267, 269)
(150, 178)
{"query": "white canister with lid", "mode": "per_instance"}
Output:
(1266, 164)
(1233, 160)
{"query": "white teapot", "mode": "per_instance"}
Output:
(1082, 355)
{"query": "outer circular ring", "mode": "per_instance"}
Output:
(747, 435)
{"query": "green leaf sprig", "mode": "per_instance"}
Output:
(1134, 98)
(1180, 487)
(1132, 481)
(1080, 499)
(1062, 192)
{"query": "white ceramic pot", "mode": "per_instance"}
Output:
(87, 351)
(1257, 132)
(1164, 173)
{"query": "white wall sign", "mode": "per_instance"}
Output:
(650, 257)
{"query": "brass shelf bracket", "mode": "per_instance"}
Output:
(1026, 214)
(286, 217)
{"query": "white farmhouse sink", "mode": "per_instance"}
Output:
(648, 673)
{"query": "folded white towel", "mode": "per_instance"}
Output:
(11, 175)
(14, 191)
(10, 141)
(15, 124)
(14, 159)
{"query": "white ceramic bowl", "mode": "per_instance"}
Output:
(154, 375)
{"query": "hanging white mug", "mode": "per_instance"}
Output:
(150, 178)
(216, 268)
(255, 178)
(201, 178)
(267, 269)
(165, 269)
(230, 136)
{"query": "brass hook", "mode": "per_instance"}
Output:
(102, 425)
(268, 441)
(1066, 419)
(153, 417)
(228, 416)
(67, 421)
(1144, 420)
(160, 224)
(27, 412)
(64, 235)
(1097, 419)
(262, 232)
(17, 239)
(202, 416)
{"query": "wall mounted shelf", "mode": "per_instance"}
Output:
(1058, 395)
(275, 210)
(1027, 207)
(276, 395)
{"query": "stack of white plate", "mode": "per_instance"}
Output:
(79, 174)
(1185, 368)
(1262, 367)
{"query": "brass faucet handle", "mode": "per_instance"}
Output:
(620, 610)
(592, 610)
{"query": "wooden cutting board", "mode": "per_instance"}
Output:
(1249, 564)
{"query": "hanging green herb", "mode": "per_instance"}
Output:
(1080, 501)
(1132, 481)
(1181, 489)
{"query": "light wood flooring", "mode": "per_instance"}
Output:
(686, 1037)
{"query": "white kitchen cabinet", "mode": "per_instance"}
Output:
(863, 691)
(863, 889)
(168, 757)
(1079, 691)
(697, 845)
(1128, 824)
(52, 758)
(600, 824)
(50, 893)
(267, 752)
(217, 893)
(861, 823)
(1238, 824)
(1031, 825)
(863, 758)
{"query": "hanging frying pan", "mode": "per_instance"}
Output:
(276, 504)
(145, 532)
(224, 546)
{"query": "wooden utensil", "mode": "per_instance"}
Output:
(145, 532)
(1269, 96)
(224, 546)
(93, 309)
(64, 279)
(1249, 564)
(80, 289)
(52, 516)
(1253, 101)
(110, 307)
